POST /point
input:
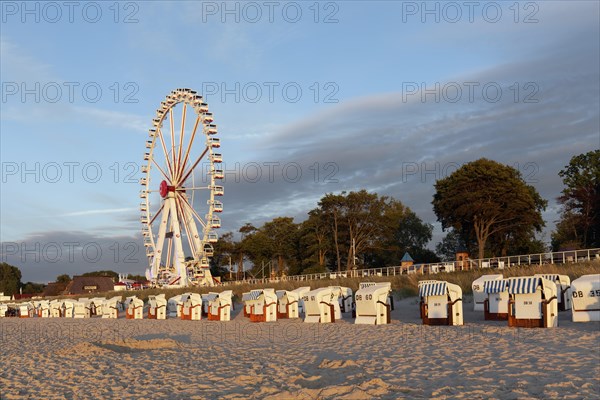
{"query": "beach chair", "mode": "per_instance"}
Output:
(373, 303)
(532, 302)
(261, 305)
(249, 299)
(191, 308)
(495, 306)
(563, 286)
(110, 307)
(56, 308)
(68, 308)
(287, 304)
(301, 292)
(440, 303)
(586, 298)
(157, 307)
(95, 305)
(320, 305)
(344, 297)
(26, 310)
(174, 305)
(81, 309)
(134, 308)
(207, 298)
(219, 308)
(479, 294)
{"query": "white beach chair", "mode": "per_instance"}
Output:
(287, 304)
(373, 303)
(191, 308)
(479, 294)
(586, 298)
(532, 302)
(440, 303)
(110, 307)
(320, 305)
(174, 305)
(157, 306)
(563, 286)
(68, 308)
(495, 305)
(207, 298)
(261, 305)
(219, 308)
(134, 308)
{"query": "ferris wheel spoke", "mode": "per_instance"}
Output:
(172, 125)
(181, 135)
(161, 171)
(191, 209)
(164, 147)
(189, 147)
(157, 214)
(188, 173)
(185, 223)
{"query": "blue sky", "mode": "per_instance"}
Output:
(518, 84)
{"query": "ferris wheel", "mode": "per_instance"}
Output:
(179, 207)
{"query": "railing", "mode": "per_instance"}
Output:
(562, 257)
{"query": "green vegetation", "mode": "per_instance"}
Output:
(10, 279)
(485, 200)
(579, 225)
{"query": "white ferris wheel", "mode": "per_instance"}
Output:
(179, 208)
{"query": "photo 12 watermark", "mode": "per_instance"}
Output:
(67, 252)
(453, 12)
(470, 92)
(69, 92)
(432, 171)
(270, 91)
(253, 12)
(71, 12)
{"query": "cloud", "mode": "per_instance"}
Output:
(100, 211)
(42, 256)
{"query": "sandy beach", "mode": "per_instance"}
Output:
(174, 359)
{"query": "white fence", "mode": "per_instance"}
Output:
(562, 257)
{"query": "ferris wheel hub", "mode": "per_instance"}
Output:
(165, 188)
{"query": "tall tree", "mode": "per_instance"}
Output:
(332, 206)
(10, 279)
(487, 198)
(282, 233)
(314, 233)
(580, 199)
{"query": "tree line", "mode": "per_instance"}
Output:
(485, 207)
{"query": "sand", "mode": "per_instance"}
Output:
(288, 359)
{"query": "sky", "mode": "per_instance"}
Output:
(310, 98)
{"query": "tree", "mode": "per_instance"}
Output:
(580, 199)
(33, 288)
(114, 275)
(282, 234)
(486, 198)
(332, 206)
(404, 232)
(64, 278)
(314, 234)
(10, 279)
(447, 248)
